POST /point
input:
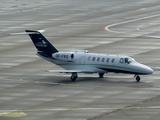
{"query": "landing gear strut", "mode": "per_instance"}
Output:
(137, 78)
(74, 76)
(100, 75)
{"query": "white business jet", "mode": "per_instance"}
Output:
(81, 61)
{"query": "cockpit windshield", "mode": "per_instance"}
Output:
(127, 60)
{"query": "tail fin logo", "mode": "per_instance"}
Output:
(41, 44)
(44, 43)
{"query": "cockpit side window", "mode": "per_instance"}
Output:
(121, 60)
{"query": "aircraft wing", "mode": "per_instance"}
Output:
(70, 71)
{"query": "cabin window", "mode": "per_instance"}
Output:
(103, 59)
(121, 60)
(89, 58)
(98, 59)
(107, 60)
(113, 60)
(93, 59)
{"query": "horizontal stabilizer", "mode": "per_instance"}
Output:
(27, 33)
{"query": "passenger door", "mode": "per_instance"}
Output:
(82, 60)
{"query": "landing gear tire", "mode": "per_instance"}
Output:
(100, 75)
(74, 76)
(137, 78)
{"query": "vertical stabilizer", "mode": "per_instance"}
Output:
(41, 43)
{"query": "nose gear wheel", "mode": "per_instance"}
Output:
(137, 78)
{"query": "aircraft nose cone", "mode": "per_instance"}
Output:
(148, 70)
(145, 69)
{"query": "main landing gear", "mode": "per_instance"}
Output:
(100, 75)
(74, 76)
(137, 78)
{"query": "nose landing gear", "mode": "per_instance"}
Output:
(137, 78)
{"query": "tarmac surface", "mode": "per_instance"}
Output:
(125, 27)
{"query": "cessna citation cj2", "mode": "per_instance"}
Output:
(80, 61)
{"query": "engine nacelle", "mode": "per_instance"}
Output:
(63, 56)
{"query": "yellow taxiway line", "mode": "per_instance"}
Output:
(21, 113)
